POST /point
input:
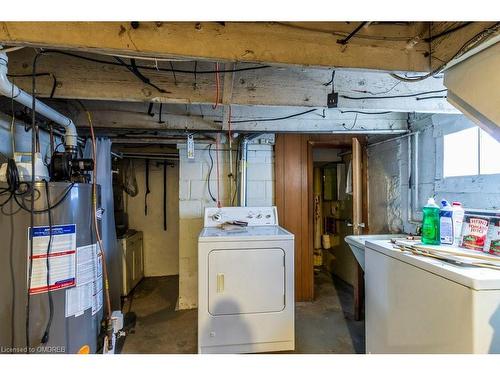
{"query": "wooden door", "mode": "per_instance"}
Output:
(292, 157)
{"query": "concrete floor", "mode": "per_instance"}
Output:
(322, 326)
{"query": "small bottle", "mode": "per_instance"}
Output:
(446, 223)
(430, 223)
(458, 219)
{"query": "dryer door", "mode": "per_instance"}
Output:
(244, 281)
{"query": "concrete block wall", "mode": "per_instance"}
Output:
(194, 197)
(389, 183)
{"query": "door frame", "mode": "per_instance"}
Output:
(304, 276)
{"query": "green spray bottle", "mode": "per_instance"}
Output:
(430, 224)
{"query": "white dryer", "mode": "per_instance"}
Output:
(245, 282)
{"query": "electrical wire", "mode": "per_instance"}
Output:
(135, 71)
(392, 96)
(154, 68)
(367, 113)
(54, 80)
(210, 172)
(271, 119)
(45, 337)
(463, 49)
(446, 32)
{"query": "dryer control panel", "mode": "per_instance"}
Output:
(254, 216)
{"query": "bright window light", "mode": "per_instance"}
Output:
(461, 157)
(489, 154)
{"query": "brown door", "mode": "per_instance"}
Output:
(292, 156)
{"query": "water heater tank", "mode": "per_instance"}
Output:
(74, 287)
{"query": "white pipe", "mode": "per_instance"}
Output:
(12, 91)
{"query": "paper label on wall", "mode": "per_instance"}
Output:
(61, 258)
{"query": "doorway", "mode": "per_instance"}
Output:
(294, 173)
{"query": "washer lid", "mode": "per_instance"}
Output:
(476, 278)
(257, 233)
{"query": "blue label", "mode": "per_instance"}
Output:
(56, 230)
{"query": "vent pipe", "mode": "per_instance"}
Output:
(10, 90)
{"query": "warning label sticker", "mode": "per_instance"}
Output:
(88, 291)
(61, 258)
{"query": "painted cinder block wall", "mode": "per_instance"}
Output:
(388, 176)
(194, 198)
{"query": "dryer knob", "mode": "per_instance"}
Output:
(216, 217)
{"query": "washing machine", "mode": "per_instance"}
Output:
(422, 305)
(245, 282)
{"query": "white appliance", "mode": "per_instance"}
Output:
(131, 246)
(416, 304)
(245, 282)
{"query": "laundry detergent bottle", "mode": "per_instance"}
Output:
(446, 223)
(430, 224)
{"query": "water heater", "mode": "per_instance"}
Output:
(51, 296)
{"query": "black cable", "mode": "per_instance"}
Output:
(351, 34)
(210, 172)
(159, 69)
(446, 32)
(44, 210)
(270, 119)
(135, 71)
(392, 96)
(487, 31)
(45, 337)
(367, 113)
(54, 80)
(173, 72)
(432, 97)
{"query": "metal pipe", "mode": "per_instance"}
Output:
(10, 90)
(243, 172)
(243, 166)
(413, 176)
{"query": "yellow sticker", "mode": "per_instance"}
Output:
(85, 349)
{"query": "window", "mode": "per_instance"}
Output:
(470, 152)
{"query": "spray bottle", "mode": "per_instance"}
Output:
(430, 223)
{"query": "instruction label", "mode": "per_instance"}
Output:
(88, 282)
(61, 258)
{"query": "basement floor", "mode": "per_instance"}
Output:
(322, 326)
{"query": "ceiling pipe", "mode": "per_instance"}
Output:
(10, 90)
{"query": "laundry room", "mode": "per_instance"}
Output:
(174, 187)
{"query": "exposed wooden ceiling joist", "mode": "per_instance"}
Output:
(454, 35)
(272, 86)
(380, 46)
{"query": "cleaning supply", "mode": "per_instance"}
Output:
(430, 223)
(446, 223)
(458, 219)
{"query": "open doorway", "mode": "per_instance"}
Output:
(341, 214)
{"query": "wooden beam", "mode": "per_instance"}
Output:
(121, 115)
(273, 86)
(256, 42)
(80, 79)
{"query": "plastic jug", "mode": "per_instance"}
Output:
(430, 223)
(446, 228)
